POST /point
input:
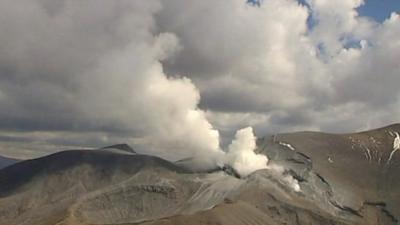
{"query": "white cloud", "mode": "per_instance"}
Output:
(103, 67)
(136, 71)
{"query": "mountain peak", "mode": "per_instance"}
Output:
(123, 147)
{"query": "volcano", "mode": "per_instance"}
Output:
(344, 179)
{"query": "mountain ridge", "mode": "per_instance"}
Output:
(340, 184)
(7, 161)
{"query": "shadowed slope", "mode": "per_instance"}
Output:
(102, 164)
(121, 147)
(43, 190)
(5, 161)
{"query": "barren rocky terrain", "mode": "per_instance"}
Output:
(343, 179)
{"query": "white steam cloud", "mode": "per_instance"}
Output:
(244, 160)
(241, 155)
(288, 180)
(81, 68)
(75, 74)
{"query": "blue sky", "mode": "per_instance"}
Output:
(379, 9)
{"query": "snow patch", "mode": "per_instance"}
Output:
(289, 146)
(369, 157)
(396, 146)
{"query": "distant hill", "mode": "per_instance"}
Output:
(5, 161)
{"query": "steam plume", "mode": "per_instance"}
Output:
(241, 155)
(244, 160)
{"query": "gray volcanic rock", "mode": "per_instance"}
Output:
(108, 166)
(223, 214)
(54, 183)
(100, 187)
(5, 161)
(360, 170)
(344, 179)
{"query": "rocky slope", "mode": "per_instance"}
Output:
(360, 170)
(343, 179)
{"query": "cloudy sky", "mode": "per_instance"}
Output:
(170, 75)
